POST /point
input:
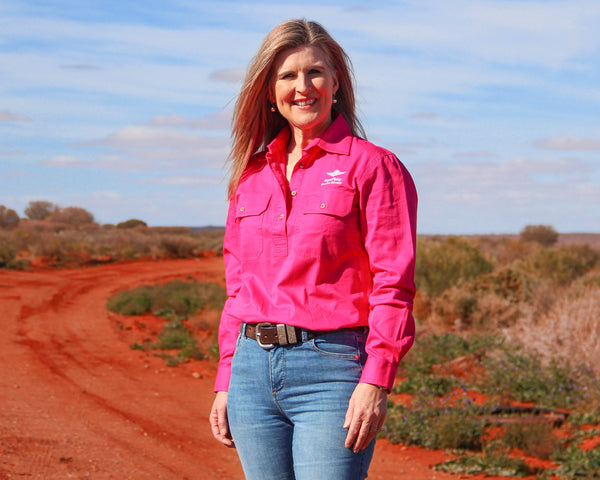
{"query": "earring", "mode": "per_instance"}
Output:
(334, 100)
(273, 109)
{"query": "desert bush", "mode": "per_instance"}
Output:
(7, 252)
(562, 265)
(186, 298)
(179, 246)
(430, 350)
(8, 217)
(39, 209)
(71, 216)
(132, 223)
(576, 463)
(521, 376)
(178, 299)
(494, 300)
(211, 240)
(131, 302)
(426, 424)
(543, 234)
(534, 437)
(569, 331)
(441, 264)
(493, 460)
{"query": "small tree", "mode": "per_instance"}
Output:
(8, 217)
(39, 209)
(72, 216)
(545, 235)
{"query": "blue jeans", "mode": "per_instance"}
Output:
(286, 408)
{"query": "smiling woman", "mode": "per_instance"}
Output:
(305, 85)
(319, 254)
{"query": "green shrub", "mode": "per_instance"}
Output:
(522, 376)
(492, 461)
(575, 463)
(420, 383)
(131, 302)
(430, 350)
(7, 253)
(426, 424)
(179, 299)
(441, 264)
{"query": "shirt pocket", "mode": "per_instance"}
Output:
(250, 216)
(328, 223)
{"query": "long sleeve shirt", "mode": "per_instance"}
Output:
(332, 248)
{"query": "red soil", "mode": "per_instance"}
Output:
(77, 402)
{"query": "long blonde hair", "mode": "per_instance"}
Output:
(254, 126)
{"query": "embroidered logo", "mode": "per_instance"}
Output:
(335, 178)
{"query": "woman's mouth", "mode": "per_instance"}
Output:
(305, 103)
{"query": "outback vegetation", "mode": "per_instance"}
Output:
(55, 236)
(504, 372)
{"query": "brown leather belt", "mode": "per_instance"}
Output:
(270, 334)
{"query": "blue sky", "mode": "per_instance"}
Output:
(123, 107)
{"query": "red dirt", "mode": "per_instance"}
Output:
(78, 402)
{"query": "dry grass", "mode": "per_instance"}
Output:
(569, 331)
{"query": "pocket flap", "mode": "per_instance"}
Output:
(250, 204)
(331, 202)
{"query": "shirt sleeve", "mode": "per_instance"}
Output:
(388, 206)
(229, 326)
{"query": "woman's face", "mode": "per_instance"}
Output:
(304, 88)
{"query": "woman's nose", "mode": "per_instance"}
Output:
(303, 84)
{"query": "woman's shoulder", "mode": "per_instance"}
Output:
(363, 146)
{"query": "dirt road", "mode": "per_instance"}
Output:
(77, 402)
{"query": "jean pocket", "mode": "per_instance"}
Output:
(344, 345)
(238, 343)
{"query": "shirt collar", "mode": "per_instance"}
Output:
(337, 138)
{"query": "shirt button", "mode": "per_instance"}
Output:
(281, 217)
(294, 193)
(301, 164)
(323, 205)
(242, 209)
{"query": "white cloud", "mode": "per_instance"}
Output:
(196, 180)
(212, 121)
(149, 136)
(229, 75)
(6, 116)
(474, 154)
(569, 143)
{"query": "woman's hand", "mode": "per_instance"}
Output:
(218, 420)
(365, 415)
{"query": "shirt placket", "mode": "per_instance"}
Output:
(279, 224)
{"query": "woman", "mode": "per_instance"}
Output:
(319, 257)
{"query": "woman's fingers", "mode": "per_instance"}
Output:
(365, 416)
(218, 420)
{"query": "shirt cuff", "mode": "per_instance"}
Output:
(223, 377)
(379, 372)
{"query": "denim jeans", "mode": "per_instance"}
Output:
(286, 408)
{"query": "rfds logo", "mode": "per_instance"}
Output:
(335, 178)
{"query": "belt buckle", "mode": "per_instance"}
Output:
(266, 346)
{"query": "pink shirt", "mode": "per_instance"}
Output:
(332, 248)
